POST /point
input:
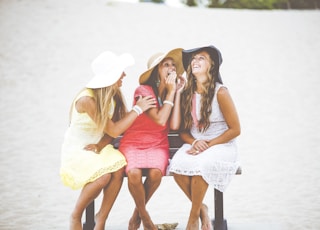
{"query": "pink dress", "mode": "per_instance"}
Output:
(145, 144)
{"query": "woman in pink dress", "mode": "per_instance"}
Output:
(145, 144)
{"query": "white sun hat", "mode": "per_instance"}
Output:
(107, 68)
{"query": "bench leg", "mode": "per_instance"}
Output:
(89, 223)
(219, 223)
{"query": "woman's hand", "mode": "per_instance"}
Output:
(146, 103)
(170, 82)
(93, 147)
(180, 84)
(198, 147)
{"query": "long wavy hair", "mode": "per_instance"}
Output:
(104, 98)
(206, 97)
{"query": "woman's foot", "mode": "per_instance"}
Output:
(135, 221)
(193, 225)
(75, 223)
(99, 222)
(147, 223)
(205, 219)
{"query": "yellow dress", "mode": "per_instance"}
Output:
(79, 166)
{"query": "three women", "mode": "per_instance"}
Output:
(209, 127)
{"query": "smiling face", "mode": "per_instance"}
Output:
(200, 65)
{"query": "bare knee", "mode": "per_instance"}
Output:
(181, 179)
(118, 175)
(103, 180)
(154, 175)
(135, 176)
(178, 177)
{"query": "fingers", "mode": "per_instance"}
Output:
(198, 147)
(171, 78)
(146, 102)
(192, 151)
(147, 99)
(150, 100)
(182, 80)
(181, 84)
(92, 147)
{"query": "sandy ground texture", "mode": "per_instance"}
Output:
(271, 66)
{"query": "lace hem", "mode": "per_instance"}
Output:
(71, 181)
(218, 175)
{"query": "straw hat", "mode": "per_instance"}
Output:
(107, 69)
(154, 60)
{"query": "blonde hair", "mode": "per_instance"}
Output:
(104, 99)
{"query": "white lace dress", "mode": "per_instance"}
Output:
(218, 164)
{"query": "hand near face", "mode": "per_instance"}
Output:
(170, 81)
(180, 84)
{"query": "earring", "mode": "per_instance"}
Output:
(157, 83)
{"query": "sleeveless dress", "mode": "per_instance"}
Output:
(79, 166)
(145, 144)
(219, 163)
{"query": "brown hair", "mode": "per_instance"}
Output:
(206, 98)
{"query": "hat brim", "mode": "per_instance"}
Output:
(104, 80)
(175, 54)
(213, 52)
(101, 81)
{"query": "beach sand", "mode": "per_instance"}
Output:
(271, 66)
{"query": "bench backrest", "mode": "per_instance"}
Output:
(174, 142)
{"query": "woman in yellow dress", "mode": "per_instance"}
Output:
(98, 114)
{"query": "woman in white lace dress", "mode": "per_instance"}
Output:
(210, 125)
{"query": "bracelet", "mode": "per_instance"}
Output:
(194, 142)
(137, 109)
(168, 102)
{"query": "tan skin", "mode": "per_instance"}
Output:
(109, 183)
(142, 192)
(195, 187)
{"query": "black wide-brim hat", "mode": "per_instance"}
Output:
(214, 53)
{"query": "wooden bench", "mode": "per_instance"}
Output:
(219, 223)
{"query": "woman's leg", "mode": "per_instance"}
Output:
(198, 190)
(141, 194)
(152, 182)
(184, 182)
(89, 192)
(138, 194)
(110, 193)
